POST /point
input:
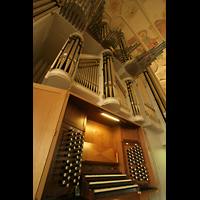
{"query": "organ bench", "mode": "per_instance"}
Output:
(78, 152)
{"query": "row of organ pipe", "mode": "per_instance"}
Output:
(133, 98)
(108, 75)
(63, 69)
(87, 74)
(43, 7)
(111, 39)
(80, 12)
(85, 71)
(69, 56)
(87, 15)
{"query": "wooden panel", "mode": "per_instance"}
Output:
(117, 145)
(128, 196)
(47, 105)
(95, 168)
(75, 115)
(94, 114)
(130, 134)
(98, 154)
(98, 134)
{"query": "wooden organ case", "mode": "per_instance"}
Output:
(90, 155)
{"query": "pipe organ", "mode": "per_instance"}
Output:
(86, 154)
(84, 69)
(94, 73)
(87, 15)
(64, 66)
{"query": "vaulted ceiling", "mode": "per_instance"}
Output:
(141, 21)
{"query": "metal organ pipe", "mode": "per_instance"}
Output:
(80, 12)
(133, 98)
(109, 77)
(69, 57)
(104, 29)
(110, 96)
(87, 74)
(63, 68)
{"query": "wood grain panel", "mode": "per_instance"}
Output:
(130, 134)
(75, 116)
(98, 154)
(47, 105)
(117, 145)
(98, 134)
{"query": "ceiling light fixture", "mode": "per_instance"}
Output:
(110, 117)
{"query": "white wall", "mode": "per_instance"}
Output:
(157, 153)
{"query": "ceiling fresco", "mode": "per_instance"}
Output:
(141, 21)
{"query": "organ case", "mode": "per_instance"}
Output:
(106, 138)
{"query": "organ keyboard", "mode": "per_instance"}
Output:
(96, 186)
(115, 188)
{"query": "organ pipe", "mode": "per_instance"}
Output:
(69, 57)
(63, 69)
(81, 13)
(133, 98)
(108, 74)
(87, 74)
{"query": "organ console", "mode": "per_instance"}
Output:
(82, 162)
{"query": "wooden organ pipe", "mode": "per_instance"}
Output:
(133, 98)
(108, 72)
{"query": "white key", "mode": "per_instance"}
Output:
(105, 182)
(114, 188)
(104, 175)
